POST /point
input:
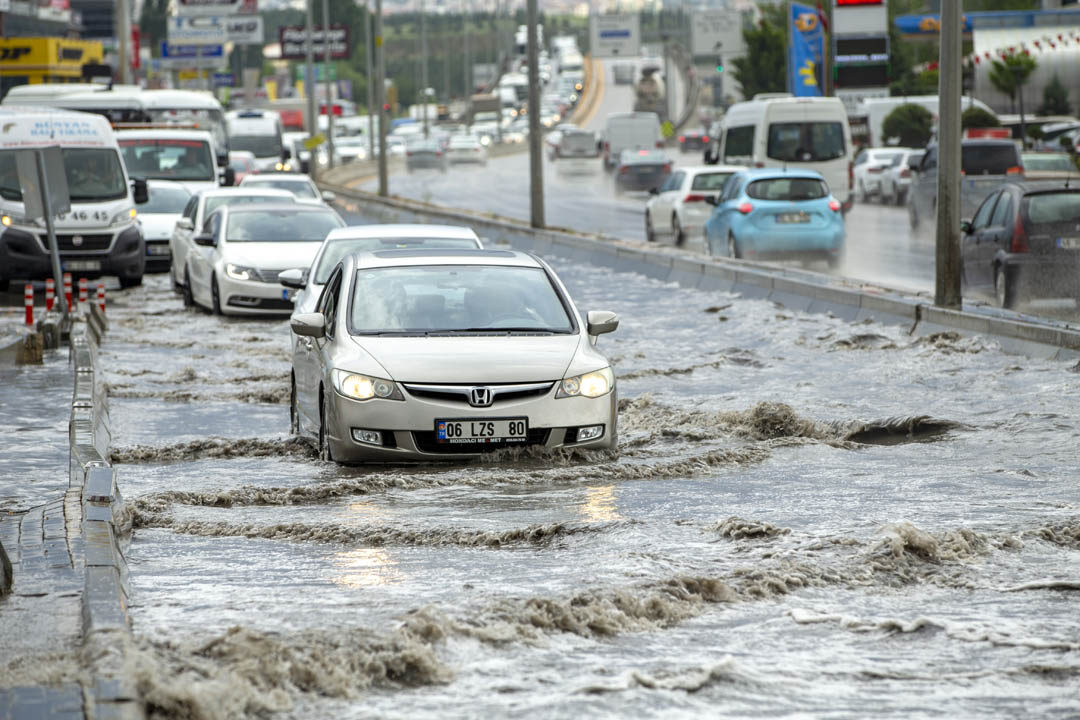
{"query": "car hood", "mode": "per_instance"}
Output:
(476, 359)
(271, 255)
(158, 225)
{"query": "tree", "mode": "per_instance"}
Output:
(152, 21)
(1011, 73)
(909, 122)
(1055, 99)
(761, 69)
(975, 117)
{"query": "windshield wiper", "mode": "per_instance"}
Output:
(544, 331)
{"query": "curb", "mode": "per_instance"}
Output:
(796, 289)
(93, 496)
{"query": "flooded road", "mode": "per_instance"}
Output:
(804, 517)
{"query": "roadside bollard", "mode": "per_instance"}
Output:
(67, 291)
(101, 296)
(84, 292)
(50, 294)
(28, 301)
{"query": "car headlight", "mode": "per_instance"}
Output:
(593, 384)
(239, 272)
(364, 387)
(123, 217)
(9, 220)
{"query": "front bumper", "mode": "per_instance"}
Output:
(158, 255)
(408, 427)
(122, 254)
(825, 242)
(254, 297)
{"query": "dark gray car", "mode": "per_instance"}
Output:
(425, 154)
(985, 164)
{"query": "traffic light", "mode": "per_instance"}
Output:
(719, 64)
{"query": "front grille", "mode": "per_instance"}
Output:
(267, 276)
(425, 442)
(87, 242)
(460, 393)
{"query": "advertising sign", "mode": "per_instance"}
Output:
(615, 35)
(806, 51)
(860, 17)
(293, 39)
(244, 29)
(192, 56)
(716, 32)
(196, 31)
(189, 8)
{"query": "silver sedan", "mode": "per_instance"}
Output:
(428, 354)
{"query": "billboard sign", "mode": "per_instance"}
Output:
(244, 29)
(717, 32)
(806, 51)
(615, 35)
(212, 8)
(191, 56)
(196, 31)
(293, 39)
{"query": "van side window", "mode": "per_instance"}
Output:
(739, 145)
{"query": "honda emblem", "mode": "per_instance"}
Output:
(480, 396)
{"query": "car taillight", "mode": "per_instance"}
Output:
(759, 164)
(607, 147)
(834, 205)
(1015, 170)
(624, 169)
(705, 139)
(1019, 242)
(905, 173)
(850, 175)
(667, 167)
(682, 138)
(694, 198)
(746, 208)
(438, 153)
(408, 154)
(874, 170)
(660, 144)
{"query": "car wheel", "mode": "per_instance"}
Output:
(294, 416)
(676, 229)
(324, 437)
(185, 290)
(860, 192)
(1004, 289)
(215, 295)
(901, 196)
(732, 247)
(4, 284)
(650, 234)
(130, 281)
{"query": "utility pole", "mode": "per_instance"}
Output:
(309, 85)
(380, 90)
(329, 85)
(423, 68)
(123, 41)
(466, 88)
(370, 60)
(948, 259)
(536, 168)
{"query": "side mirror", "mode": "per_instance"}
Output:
(293, 279)
(230, 177)
(712, 200)
(965, 226)
(309, 325)
(185, 224)
(205, 239)
(709, 158)
(328, 196)
(600, 322)
(654, 191)
(139, 192)
(286, 154)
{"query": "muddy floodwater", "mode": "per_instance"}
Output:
(804, 518)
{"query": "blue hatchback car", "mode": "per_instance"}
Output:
(776, 214)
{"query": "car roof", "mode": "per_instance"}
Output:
(263, 178)
(1040, 186)
(275, 207)
(766, 173)
(357, 232)
(163, 132)
(704, 169)
(225, 192)
(406, 258)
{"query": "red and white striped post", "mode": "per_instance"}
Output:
(84, 292)
(50, 294)
(101, 296)
(67, 291)
(28, 301)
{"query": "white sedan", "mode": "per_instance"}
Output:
(243, 249)
(679, 207)
(869, 167)
(301, 186)
(157, 217)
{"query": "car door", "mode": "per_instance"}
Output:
(311, 361)
(975, 244)
(665, 200)
(180, 239)
(201, 261)
(996, 238)
(721, 217)
(924, 187)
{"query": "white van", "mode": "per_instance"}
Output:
(877, 109)
(258, 132)
(779, 130)
(99, 236)
(630, 131)
(183, 156)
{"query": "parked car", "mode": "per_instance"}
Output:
(466, 149)
(302, 187)
(424, 154)
(693, 141)
(641, 170)
(449, 353)
(243, 164)
(679, 207)
(869, 168)
(985, 164)
(1049, 166)
(777, 214)
(164, 206)
(896, 180)
(194, 215)
(245, 247)
(1024, 243)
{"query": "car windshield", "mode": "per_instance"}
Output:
(280, 226)
(791, 189)
(710, 181)
(1056, 207)
(165, 199)
(988, 159)
(299, 188)
(209, 119)
(213, 203)
(1048, 161)
(258, 145)
(456, 298)
(806, 141)
(92, 174)
(240, 164)
(335, 251)
(578, 142)
(169, 159)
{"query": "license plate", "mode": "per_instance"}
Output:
(644, 171)
(84, 265)
(798, 217)
(286, 294)
(157, 249)
(1069, 243)
(481, 431)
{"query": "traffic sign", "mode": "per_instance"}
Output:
(219, 79)
(191, 56)
(714, 32)
(293, 39)
(667, 129)
(196, 31)
(216, 7)
(615, 35)
(314, 141)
